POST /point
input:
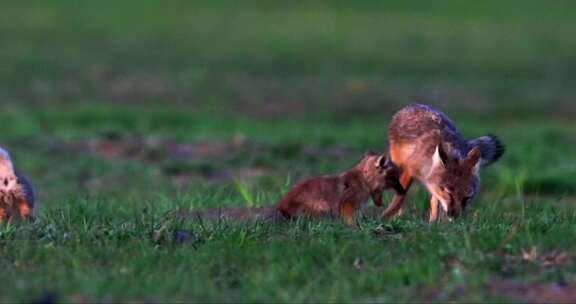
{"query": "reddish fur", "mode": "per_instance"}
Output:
(19, 202)
(336, 195)
(18, 208)
(325, 195)
(342, 195)
(347, 212)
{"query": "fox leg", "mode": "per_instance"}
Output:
(348, 213)
(24, 210)
(398, 201)
(3, 215)
(433, 209)
(377, 198)
(442, 215)
(288, 209)
(437, 213)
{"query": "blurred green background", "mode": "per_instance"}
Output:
(120, 111)
(511, 57)
(298, 73)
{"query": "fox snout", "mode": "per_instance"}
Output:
(454, 210)
(457, 207)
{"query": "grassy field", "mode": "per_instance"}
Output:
(122, 112)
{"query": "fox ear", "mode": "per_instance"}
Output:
(4, 154)
(387, 160)
(383, 161)
(370, 153)
(5, 161)
(439, 158)
(473, 159)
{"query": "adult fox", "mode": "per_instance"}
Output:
(426, 145)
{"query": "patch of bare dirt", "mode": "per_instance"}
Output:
(218, 175)
(536, 257)
(553, 258)
(154, 149)
(514, 290)
(544, 261)
(214, 160)
(535, 292)
(455, 288)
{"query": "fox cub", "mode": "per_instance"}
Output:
(16, 193)
(332, 195)
(343, 195)
(426, 145)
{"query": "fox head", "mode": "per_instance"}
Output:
(381, 173)
(454, 181)
(8, 180)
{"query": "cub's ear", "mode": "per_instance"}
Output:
(370, 153)
(440, 158)
(473, 159)
(383, 161)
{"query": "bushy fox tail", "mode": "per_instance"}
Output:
(491, 148)
(269, 213)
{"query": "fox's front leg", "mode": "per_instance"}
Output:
(437, 213)
(398, 201)
(3, 215)
(377, 198)
(24, 210)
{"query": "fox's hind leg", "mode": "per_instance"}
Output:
(398, 201)
(348, 213)
(289, 208)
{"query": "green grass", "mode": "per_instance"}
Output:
(277, 92)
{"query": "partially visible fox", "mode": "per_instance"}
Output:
(426, 145)
(17, 197)
(341, 195)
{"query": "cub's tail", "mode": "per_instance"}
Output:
(269, 213)
(490, 146)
